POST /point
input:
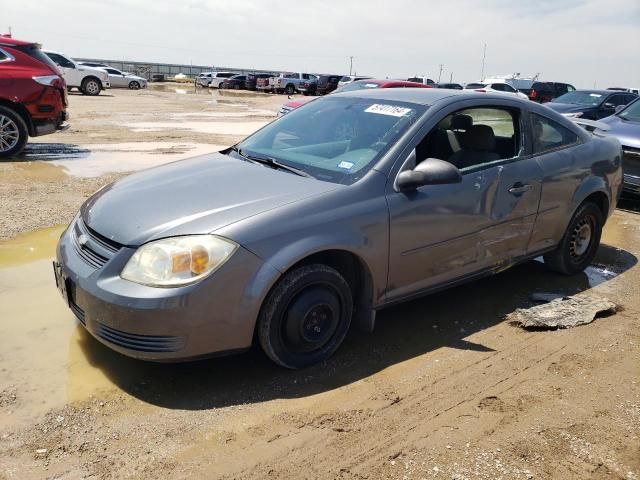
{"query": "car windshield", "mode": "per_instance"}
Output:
(631, 112)
(580, 98)
(361, 85)
(334, 139)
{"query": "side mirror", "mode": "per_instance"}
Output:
(431, 171)
(609, 106)
(619, 108)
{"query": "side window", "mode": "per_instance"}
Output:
(628, 99)
(291, 75)
(498, 86)
(570, 88)
(509, 88)
(617, 100)
(60, 60)
(548, 135)
(472, 137)
(113, 71)
(3, 57)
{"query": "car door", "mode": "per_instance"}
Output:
(116, 78)
(442, 233)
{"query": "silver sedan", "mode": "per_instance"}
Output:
(120, 79)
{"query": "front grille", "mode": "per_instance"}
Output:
(93, 248)
(141, 343)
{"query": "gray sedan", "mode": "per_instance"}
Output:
(351, 203)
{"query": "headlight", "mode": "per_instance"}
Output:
(573, 115)
(178, 261)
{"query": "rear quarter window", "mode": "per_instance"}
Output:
(548, 135)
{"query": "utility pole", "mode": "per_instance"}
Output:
(350, 65)
(484, 55)
(440, 74)
(451, 78)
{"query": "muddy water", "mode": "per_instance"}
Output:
(219, 128)
(53, 161)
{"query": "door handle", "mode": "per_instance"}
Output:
(519, 188)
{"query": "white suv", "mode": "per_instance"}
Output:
(496, 87)
(89, 80)
(213, 79)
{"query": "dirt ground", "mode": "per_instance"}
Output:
(444, 388)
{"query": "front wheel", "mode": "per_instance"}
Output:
(134, 85)
(91, 86)
(13, 133)
(580, 242)
(305, 318)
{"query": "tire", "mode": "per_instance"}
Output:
(579, 243)
(305, 317)
(91, 86)
(290, 90)
(13, 132)
(134, 85)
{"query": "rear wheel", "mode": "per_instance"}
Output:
(580, 242)
(13, 132)
(305, 318)
(91, 86)
(290, 90)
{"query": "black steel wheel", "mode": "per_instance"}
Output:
(580, 242)
(306, 316)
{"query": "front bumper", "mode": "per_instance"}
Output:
(213, 316)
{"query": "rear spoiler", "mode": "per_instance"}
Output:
(590, 125)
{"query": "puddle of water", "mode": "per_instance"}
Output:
(220, 128)
(29, 247)
(180, 89)
(40, 341)
(98, 159)
(37, 172)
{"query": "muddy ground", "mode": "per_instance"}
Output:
(444, 387)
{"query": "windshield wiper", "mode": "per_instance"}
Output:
(271, 162)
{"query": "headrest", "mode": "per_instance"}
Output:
(480, 138)
(461, 122)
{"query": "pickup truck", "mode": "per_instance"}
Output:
(89, 80)
(290, 83)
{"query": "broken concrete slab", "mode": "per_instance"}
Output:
(564, 312)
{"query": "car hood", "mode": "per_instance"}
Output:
(194, 196)
(627, 132)
(569, 107)
(98, 72)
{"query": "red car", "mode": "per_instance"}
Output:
(359, 85)
(33, 95)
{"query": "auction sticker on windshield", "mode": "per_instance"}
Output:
(392, 110)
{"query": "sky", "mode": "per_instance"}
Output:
(588, 43)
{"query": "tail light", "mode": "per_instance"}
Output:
(50, 81)
(534, 94)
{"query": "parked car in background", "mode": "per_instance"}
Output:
(327, 84)
(329, 214)
(451, 86)
(237, 82)
(369, 84)
(120, 79)
(349, 79)
(204, 79)
(218, 77)
(263, 84)
(33, 95)
(543, 92)
(590, 104)
(89, 80)
(422, 79)
(251, 83)
(635, 90)
(496, 87)
(290, 83)
(309, 87)
(625, 126)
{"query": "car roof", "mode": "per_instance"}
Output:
(601, 92)
(12, 42)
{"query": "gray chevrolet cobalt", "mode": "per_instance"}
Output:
(347, 205)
